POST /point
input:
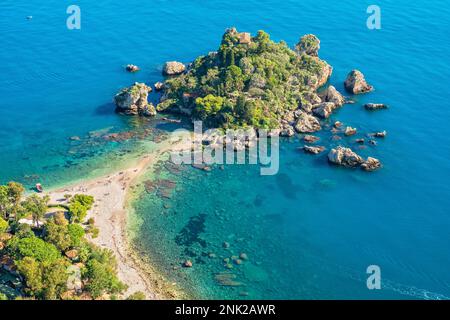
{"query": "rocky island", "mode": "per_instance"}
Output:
(250, 82)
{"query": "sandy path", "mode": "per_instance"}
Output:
(109, 212)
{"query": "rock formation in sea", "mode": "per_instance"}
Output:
(132, 68)
(371, 164)
(313, 149)
(356, 83)
(332, 95)
(324, 109)
(375, 106)
(134, 100)
(159, 86)
(307, 123)
(173, 68)
(349, 131)
(346, 157)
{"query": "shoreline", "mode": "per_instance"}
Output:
(110, 211)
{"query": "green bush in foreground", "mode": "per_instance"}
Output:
(45, 252)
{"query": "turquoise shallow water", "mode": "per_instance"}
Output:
(310, 231)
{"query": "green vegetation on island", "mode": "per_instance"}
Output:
(249, 81)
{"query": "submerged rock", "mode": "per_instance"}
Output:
(134, 100)
(344, 157)
(187, 264)
(371, 164)
(243, 256)
(307, 123)
(375, 106)
(172, 68)
(310, 139)
(356, 83)
(227, 279)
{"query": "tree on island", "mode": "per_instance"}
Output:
(36, 206)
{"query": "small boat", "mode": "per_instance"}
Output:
(39, 187)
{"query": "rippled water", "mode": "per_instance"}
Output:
(313, 239)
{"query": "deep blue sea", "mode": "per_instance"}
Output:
(310, 231)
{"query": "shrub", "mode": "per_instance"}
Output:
(35, 248)
(76, 234)
(57, 235)
(137, 296)
(83, 199)
(3, 225)
(77, 212)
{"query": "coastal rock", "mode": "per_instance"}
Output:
(159, 86)
(149, 110)
(334, 96)
(371, 164)
(307, 123)
(381, 134)
(310, 139)
(361, 141)
(337, 124)
(173, 68)
(325, 73)
(313, 150)
(288, 117)
(133, 100)
(356, 83)
(308, 99)
(287, 131)
(349, 131)
(344, 157)
(309, 44)
(324, 110)
(375, 106)
(132, 68)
